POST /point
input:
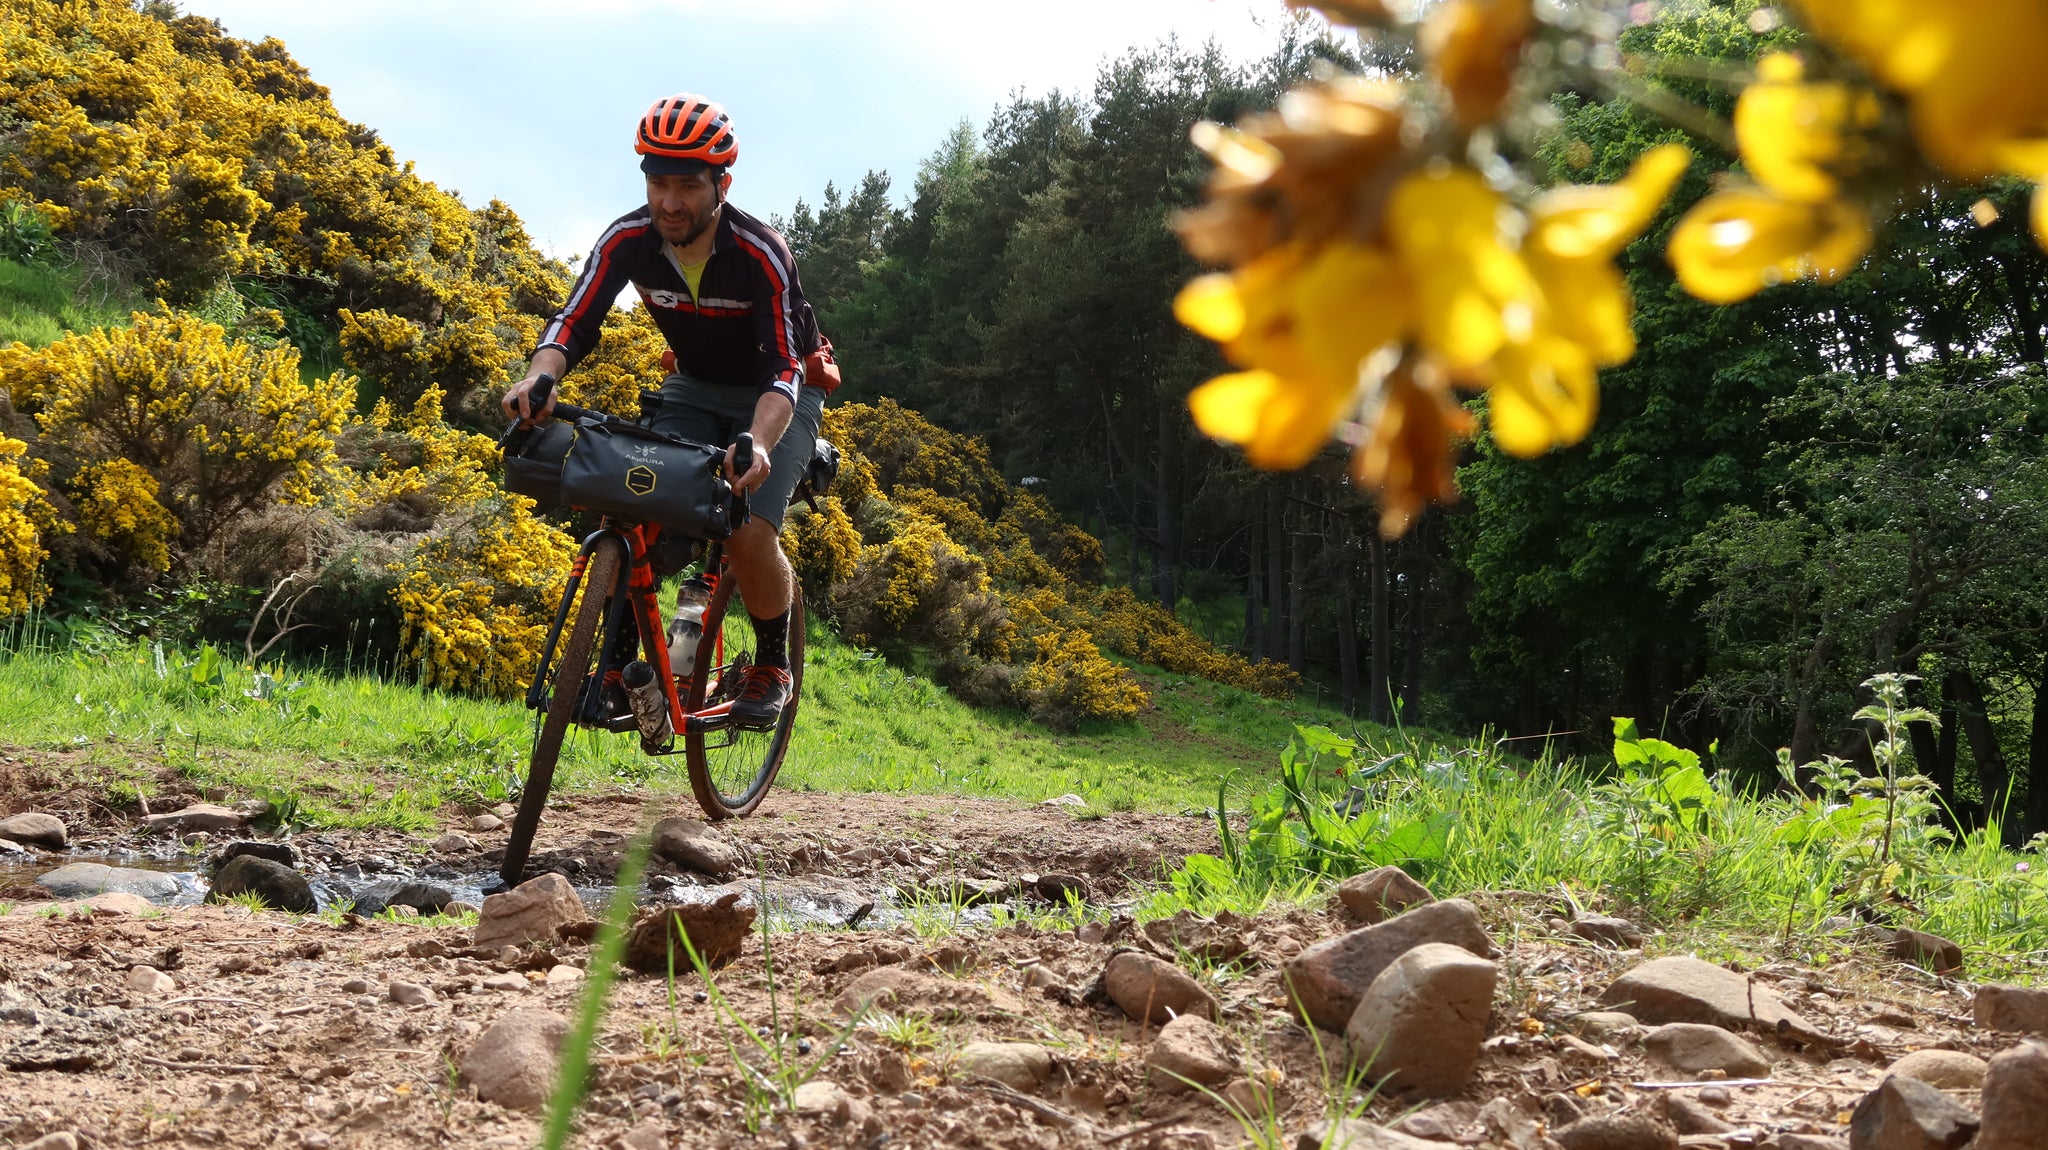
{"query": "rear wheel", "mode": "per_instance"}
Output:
(731, 769)
(572, 668)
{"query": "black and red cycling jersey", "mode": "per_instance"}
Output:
(749, 323)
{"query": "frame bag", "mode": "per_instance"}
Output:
(646, 477)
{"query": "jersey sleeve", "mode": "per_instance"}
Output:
(574, 330)
(779, 310)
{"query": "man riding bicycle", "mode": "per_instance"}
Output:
(723, 290)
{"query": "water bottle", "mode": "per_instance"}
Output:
(649, 703)
(688, 625)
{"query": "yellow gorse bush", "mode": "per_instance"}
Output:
(1385, 256)
(27, 520)
(117, 504)
(475, 603)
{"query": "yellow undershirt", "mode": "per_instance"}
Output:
(693, 274)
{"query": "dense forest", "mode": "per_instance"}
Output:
(1780, 498)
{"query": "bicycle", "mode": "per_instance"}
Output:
(731, 765)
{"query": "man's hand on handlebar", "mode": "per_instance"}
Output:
(517, 401)
(753, 469)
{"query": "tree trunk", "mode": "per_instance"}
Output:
(1254, 645)
(1805, 730)
(1382, 638)
(1347, 619)
(1276, 571)
(1416, 554)
(1994, 777)
(2037, 761)
(1165, 551)
(1297, 586)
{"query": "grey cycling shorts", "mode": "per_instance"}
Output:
(716, 413)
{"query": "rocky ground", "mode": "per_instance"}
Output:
(1501, 1023)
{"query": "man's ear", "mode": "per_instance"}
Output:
(724, 184)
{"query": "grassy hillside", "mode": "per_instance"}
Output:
(39, 304)
(356, 748)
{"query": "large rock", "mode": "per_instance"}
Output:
(897, 991)
(1618, 1132)
(1421, 1022)
(1358, 1134)
(1381, 893)
(1684, 989)
(1327, 980)
(2021, 1008)
(1151, 989)
(692, 845)
(1019, 1065)
(424, 897)
(2016, 1101)
(1190, 1051)
(279, 886)
(80, 880)
(274, 851)
(1908, 1114)
(1606, 930)
(1693, 1047)
(197, 817)
(1947, 1069)
(36, 829)
(717, 931)
(529, 912)
(1929, 950)
(514, 1062)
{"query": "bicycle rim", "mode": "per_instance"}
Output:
(732, 769)
(600, 581)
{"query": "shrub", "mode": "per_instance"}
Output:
(117, 504)
(475, 601)
(26, 521)
(1070, 680)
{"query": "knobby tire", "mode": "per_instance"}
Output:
(600, 583)
(731, 770)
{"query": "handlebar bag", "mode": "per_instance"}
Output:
(533, 463)
(646, 477)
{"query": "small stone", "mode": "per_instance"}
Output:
(1606, 930)
(1689, 1116)
(1190, 1051)
(820, 1098)
(514, 1062)
(1327, 980)
(2019, 1008)
(564, 975)
(1716, 1095)
(419, 897)
(1693, 1048)
(717, 931)
(1022, 1065)
(648, 1135)
(1061, 888)
(35, 829)
(59, 1140)
(315, 1140)
(1381, 893)
(356, 986)
(199, 817)
(410, 994)
(1577, 1051)
(149, 980)
(1947, 1069)
(1254, 1098)
(1422, 1021)
(529, 912)
(2015, 1100)
(1928, 950)
(1444, 1122)
(458, 908)
(505, 810)
(1793, 1140)
(1908, 1114)
(1683, 989)
(276, 852)
(278, 886)
(1605, 1026)
(115, 902)
(485, 824)
(1151, 989)
(1359, 1134)
(454, 843)
(505, 981)
(693, 845)
(1617, 1132)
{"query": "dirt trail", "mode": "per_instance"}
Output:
(282, 1030)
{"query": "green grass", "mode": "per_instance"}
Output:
(40, 304)
(356, 749)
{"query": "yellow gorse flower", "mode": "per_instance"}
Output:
(1799, 139)
(1734, 244)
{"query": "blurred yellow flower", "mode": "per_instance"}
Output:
(1972, 70)
(1798, 139)
(1407, 458)
(1574, 234)
(1472, 292)
(1544, 393)
(1472, 47)
(1735, 243)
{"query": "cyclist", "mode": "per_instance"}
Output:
(723, 290)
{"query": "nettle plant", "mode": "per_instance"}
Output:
(1878, 831)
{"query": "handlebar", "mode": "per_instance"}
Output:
(544, 386)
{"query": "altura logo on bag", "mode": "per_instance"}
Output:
(640, 480)
(648, 454)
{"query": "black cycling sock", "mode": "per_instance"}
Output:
(771, 640)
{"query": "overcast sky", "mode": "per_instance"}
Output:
(534, 103)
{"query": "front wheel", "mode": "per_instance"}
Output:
(600, 582)
(731, 768)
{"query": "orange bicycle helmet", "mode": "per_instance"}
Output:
(685, 133)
